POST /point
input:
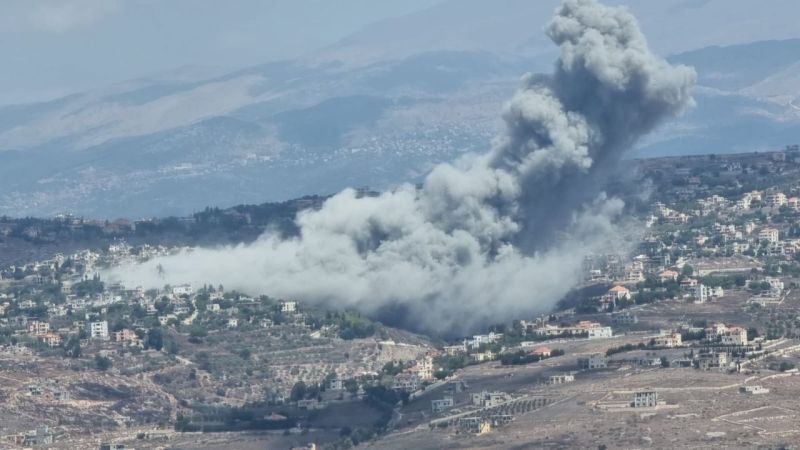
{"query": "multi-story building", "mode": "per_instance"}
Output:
(98, 330)
(38, 328)
(669, 340)
(776, 199)
(708, 361)
(595, 361)
(600, 332)
(624, 318)
(771, 235)
(645, 399)
(734, 336)
(490, 399)
(442, 404)
(561, 379)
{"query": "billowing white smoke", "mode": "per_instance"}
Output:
(488, 238)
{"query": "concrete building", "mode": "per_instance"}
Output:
(734, 336)
(768, 234)
(98, 330)
(645, 399)
(336, 384)
(709, 361)
(310, 404)
(288, 307)
(442, 404)
(406, 382)
(601, 332)
(183, 289)
(51, 339)
(753, 390)
(561, 379)
(715, 330)
(474, 425)
(776, 199)
(542, 352)
(595, 361)
(38, 328)
(702, 293)
(668, 275)
(669, 340)
(489, 399)
(624, 318)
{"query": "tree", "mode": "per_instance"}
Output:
(351, 385)
(102, 363)
(172, 347)
(198, 331)
(752, 333)
(687, 270)
(298, 391)
(72, 348)
(155, 338)
(664, 362)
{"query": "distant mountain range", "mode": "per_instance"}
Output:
(379, 108)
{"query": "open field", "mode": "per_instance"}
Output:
(704, 409)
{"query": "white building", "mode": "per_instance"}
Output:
(734, 336)
(669, 340)
(645, 399)
(561, 379)
(602, 332)
(774, 283)
(771, 235)
(624, 318)
(406, 382)
(490, 399)
(38, 328)
(776, 199)
(336, 384)
(288, 307)
(740, 247)
(483, 339)
(715, 330)
(98, 330)
(595, 361)
(183, 289)
(708, 361)
(442, 404)
(753, 390)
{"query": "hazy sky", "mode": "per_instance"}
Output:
(55, 47)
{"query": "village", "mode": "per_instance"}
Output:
(708, 293)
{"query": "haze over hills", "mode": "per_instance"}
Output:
(377, 108)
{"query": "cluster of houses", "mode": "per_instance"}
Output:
(412, 378)
(733, 236)
(707, 228)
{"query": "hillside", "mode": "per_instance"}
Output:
(281, 130)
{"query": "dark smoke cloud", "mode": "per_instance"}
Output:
(486, 238)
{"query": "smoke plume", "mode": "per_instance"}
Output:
(488, 238)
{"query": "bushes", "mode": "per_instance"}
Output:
(520, 357)
(448, 364)
(353, 325)
(625, 348)
(221, 420)
(102, 363)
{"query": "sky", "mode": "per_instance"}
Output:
(51, 48)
